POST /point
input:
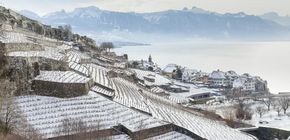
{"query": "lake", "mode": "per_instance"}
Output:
(269, 60)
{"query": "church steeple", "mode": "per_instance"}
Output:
(150, 59)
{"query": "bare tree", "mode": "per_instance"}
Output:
(66, 128)
(243, 111)
(277, 106)
(261, 111)
(36, 69)
(107, 46)
(9, 111)
(15, 122)
(9, 115)
(80, 129)
(285, 103)
(229, 116)
(77, 129)
(268, 100)
(3, 59)
(94, 128)
(140, 126)
(27, 131)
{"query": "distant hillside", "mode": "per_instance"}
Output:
(193, 22)
(283, 20)
(30, 14)
(11, 20)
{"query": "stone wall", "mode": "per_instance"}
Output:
(6, 27)
(186, 132)
(98, 134)
(63, 90)
(156, 131)
(44, 63)
(152, 132)
(23, 47)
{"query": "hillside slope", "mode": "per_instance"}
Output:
(106, 103)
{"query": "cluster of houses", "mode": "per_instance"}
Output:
(216, 79)
(219, 79)
(227, 80)
(145, 65)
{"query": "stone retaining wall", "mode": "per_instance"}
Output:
(44, 63)
(139, 135)
(156, 131)
(10, 47)
(152, 132)
(99, 134)
(63, 90)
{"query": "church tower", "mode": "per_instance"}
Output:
(150, 59)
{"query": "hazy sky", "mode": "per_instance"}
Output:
(248, 6)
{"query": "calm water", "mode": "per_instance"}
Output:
(270, 60)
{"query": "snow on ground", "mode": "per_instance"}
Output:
(74, 56)
(193, 90)
(170, 68)
(102, 90)
(99, 74)
(157, 90)
(61, 77)
(81, 68)
(121, 65)
(13, 37)
(64, 46)
(45, 114)
(184, 97)
(171, 136)
(270, 118)
(50, 54)
(225, 109)
(119, 137)
(178, 99)
(159, 79)
(129, 94)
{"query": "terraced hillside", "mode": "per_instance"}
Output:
(115, 105)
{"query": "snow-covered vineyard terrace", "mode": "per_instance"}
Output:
(99, 90)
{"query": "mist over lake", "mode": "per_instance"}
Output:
(269, 60)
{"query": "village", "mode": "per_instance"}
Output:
(212, 84)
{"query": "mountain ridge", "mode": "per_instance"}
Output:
(194, 22)
(273, 16)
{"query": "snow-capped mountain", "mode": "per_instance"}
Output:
(30, 14)
(197, 10)
(193, 22)
(283, 20)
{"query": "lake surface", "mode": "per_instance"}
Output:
(269, 60)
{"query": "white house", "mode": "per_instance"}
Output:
(145, 65)
(245, 83)
(261, 85)
(218, 79)
(188, 75)
(231, 76)
(168, 69)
